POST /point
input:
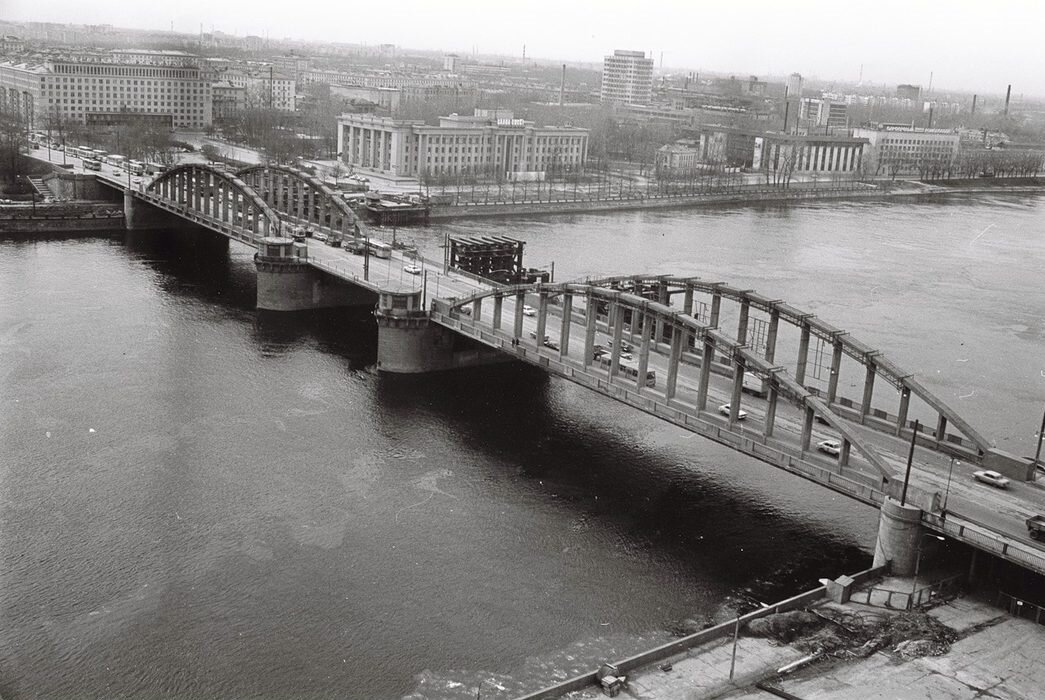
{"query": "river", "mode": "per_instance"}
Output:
(202, 501)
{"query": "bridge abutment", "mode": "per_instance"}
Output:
(899, 532)
(286, 282)
(142, 216)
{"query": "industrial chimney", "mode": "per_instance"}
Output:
(1008, 93)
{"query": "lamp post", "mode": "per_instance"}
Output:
(917, 563)
(947, 492)
(1041, 436)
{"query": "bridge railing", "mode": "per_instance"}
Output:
(986, 538)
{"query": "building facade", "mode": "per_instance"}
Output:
(899, 149)
(161, 86)
(491, 141)
(761, 150)
(627, 78)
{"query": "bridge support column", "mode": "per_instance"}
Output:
(901, 414)
(542, 317)
(705, 372)
(774, 326)
(498, 305)
(407, 341)
(899, 530)
(803, 355)
(288, 284)
(647, 324)
(745, 313)
(836, 368)
(865, 403)
(738, 387)
(678, 339)
(564, 329)
(590, 324)
(771, 402)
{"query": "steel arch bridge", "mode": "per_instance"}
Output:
(670, 378)
(302, 198)
(217, 198)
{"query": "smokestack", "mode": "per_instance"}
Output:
(973, 105)
(1008, 93)
(562, 85)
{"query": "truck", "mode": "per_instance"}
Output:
(1036, 526)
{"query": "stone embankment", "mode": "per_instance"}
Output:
(60, 217)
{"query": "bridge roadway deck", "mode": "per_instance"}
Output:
(974, 512)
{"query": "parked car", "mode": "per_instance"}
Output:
(991, 477)
(831, 447)
(319, 236)
(412, 269)
(725, 408)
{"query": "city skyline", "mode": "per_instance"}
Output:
(965, 49)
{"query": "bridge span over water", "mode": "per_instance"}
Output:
(747, 371)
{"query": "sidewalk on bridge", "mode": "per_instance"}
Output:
(995, 656)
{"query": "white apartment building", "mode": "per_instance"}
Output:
(108, 88)
(902, 149)
(263, 87)
(490, 141)
(627, 77)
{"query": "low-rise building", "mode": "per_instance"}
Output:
(490, 141)
(229, 101)
(900, 149)
(760, 150)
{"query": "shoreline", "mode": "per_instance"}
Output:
(921, 189)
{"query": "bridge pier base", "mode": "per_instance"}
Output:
(409, 343)
(142, 216)
(899, 531)
(287, 284)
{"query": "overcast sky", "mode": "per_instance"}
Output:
(978, 46)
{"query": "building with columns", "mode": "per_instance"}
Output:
(762, 150)
(490, 141)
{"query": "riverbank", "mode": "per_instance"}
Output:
(88, 217)
(850, 651)
(886, 190)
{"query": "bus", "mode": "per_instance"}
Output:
(115, 161)
(135, 167)
(379, 249)
(78, 151)
(91, 164)
(628, 368)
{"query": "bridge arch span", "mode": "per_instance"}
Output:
(685, 334)
(217, 194)
(302, 197)
(970, 444)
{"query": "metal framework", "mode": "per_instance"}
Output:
(217, 195)
(302, 198)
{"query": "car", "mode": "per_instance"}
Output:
(298, 236)
(548, 343)
(412, 269)
(831, 447)
(724, 409)
(989, 476)
(529, 310)
(319, 236)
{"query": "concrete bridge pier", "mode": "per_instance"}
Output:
(899, 535)
(142, 216)
(409, 343)
(287, 282)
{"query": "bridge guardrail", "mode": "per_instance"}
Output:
(987, 539)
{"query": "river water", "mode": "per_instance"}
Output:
(200, 501)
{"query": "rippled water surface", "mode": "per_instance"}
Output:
(198, 500)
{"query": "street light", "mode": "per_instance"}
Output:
(950, 471)
(917, 563)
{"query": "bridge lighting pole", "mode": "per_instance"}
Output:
(950, 470)
(1041, 436)
(910, 458)
(366, 255)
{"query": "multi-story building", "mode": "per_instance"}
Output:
(491, 141)
(10, 44)
(816, 112)
(627, 77)
(899, 149)
(264, 87)
(165, 87)
(228, 100)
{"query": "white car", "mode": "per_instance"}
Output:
(725, 408)
(529, 310)
(319, 236)
(412, 269)
(991, 477)
(831, 447)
